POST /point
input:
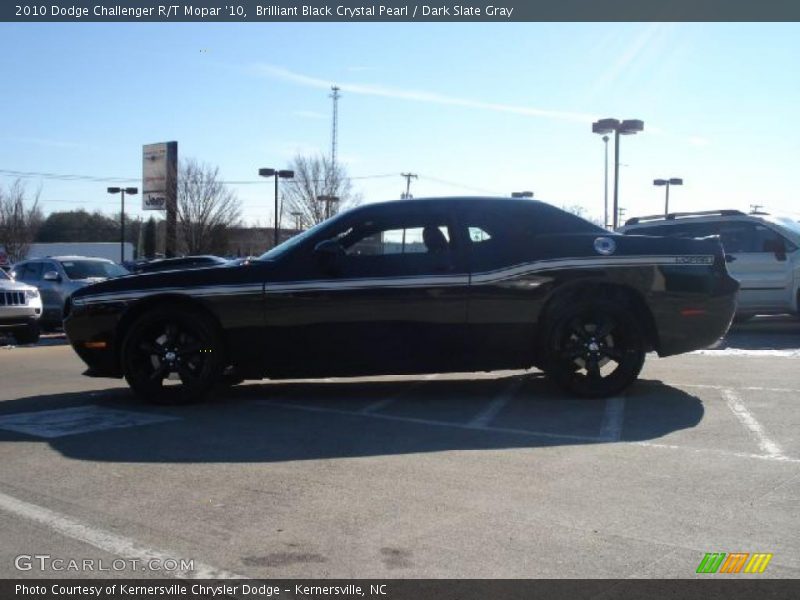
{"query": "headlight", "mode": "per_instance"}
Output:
(31, 294)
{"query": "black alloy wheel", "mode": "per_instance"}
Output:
(594, 349)
(173, 357)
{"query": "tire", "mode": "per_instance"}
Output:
(173, 356)
(593, 348)
(28, 334)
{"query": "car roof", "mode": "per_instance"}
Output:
(66, 257)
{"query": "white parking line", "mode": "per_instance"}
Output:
(722, 387)
(611, 426)
(373, 415)
(523, 432)
(747, 419)
(107, 541)
(486, 416)
(384, 402)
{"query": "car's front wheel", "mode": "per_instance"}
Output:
(173, 356)
(593, 348)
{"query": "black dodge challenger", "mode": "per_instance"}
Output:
(413, 286)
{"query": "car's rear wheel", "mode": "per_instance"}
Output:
(593, 348)
(28, 334)
(173, 356)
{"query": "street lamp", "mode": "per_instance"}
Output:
(666, 183)
(282, 174)
(605, 184)
(122, 191)
(297, 219)
(525, 194)
(328, 200)
(627, 127)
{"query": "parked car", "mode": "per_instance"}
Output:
(414, 286)
(761, 250)
(57, 277)
(180, 263)
(20, 310)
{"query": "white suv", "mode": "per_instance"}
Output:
(761, 250)
(20, 310)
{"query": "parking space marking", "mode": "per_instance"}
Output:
(384, 402)
(105, 540)
(497, 404)
(418, 421)
(722, 387)
(523, 432)
(611, 426)
(77, 419)
(747, 419)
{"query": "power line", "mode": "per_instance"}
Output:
(461, 185)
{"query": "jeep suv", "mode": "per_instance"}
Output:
(761, 251)
(20, 309)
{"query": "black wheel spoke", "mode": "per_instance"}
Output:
(189, 349)
(172, 334)
(604, 327)
(614, 354)
(160, 372)
(572, 352)
(593, 369)
(150, 348)
(186, 373)
(578, 327)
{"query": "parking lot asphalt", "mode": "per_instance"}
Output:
(456, 475)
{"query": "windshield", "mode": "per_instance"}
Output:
(295, 241)
(86, 269)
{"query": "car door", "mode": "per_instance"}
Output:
(390, 299)
(765, 275)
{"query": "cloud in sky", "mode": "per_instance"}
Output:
(275, 72)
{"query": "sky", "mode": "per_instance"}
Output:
(473, 109)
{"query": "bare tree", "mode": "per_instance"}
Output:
(317, 177)
(20, 219)
(206, 208)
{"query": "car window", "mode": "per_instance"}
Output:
(3, 275)
(29, 272)
(738, 237)
(410, 240)
(767, 239)
(86, 269)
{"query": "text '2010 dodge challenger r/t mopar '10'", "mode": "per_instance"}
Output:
(413, 286)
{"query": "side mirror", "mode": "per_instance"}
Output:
(329, 253)
(777, 247)
(329, 248)
(52, 276)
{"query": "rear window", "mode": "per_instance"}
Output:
(86, 269)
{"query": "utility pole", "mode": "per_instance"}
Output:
(754, 208)
(335, 129)
(408, 177)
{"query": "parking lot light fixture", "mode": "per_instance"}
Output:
(626, 127)
(122, 191)
(277, 174)
(666, 183)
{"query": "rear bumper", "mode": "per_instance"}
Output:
(687, 322)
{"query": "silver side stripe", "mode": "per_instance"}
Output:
(483, 278)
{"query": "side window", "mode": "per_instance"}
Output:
(766, 240)
(406, 240)
(399, 246)
(738, 237)
(30, 272)
(478, 235)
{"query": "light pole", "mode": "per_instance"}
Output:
(627, 127)
(605, 183)
(525, 194)
(328, 200)
(122, 191)
(297, 219)
(282, 174)
(666, 183)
